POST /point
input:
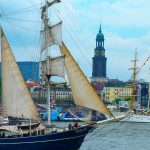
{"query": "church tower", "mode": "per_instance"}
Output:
(99, 59)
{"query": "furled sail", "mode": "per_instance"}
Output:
(52, 36)
(16, 97)
(53, 66)
(83, 92)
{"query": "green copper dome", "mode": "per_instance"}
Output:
(100, 36)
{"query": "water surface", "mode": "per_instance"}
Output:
(119, 136)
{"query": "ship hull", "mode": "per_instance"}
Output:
(67, 140)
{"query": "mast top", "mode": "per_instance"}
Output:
(44, 10)
(48, 4)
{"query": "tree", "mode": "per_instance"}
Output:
(128, 99)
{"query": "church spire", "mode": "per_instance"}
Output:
(99, 59)
(100, 28)
(100, 39)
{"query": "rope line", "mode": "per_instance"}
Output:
(80, 30)
(23, 20)
(73, 39)
(22, 10)
(24, 28)
(95, 133)
(140, 68)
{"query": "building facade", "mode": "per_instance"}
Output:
(56, 93)
(144, 89)
(29, 70)
(113, 93)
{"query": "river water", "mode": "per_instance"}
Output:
(119, 136)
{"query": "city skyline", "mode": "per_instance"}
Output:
(125, 25)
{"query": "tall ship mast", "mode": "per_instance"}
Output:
(135, 116)
(46, 62)
(134, 81)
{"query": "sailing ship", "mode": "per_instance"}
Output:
(134, 115)
(17, 103)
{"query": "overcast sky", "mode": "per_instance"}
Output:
(125, 24)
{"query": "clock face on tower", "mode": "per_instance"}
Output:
(100, 53)
(103, 53)
(97, 53)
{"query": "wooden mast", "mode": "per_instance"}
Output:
(134, 80)
(44, 17)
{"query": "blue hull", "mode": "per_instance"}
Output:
(68, 140)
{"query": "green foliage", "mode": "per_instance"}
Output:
(65, 85)
(117, 101)
(128, 99)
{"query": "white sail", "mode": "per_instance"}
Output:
(54, 66)
(54, 36)
(16, 97)
(83, 92)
